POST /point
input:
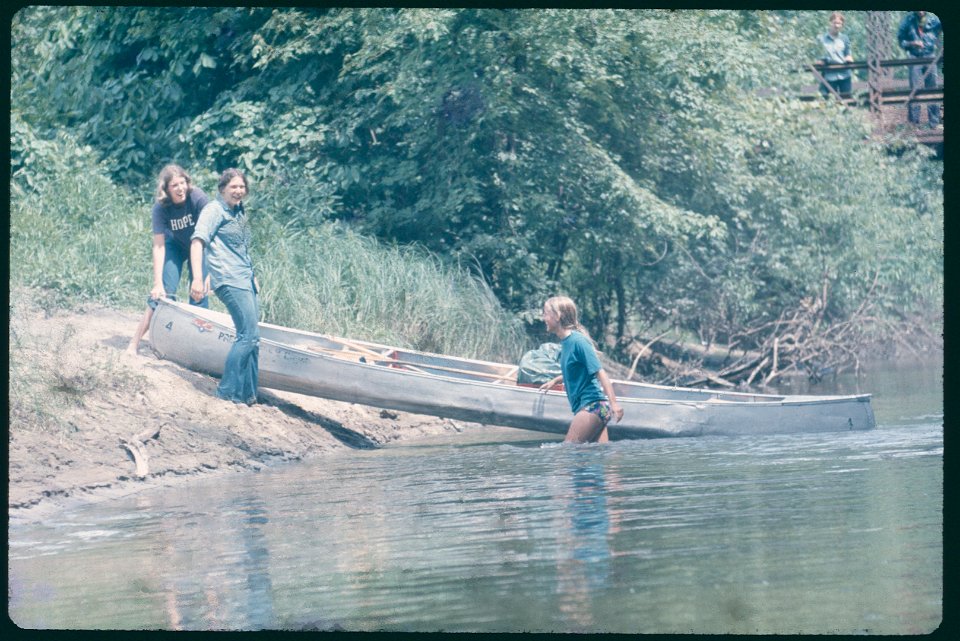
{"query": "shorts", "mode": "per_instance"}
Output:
(601, 409)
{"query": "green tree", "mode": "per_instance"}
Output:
(126, 79)
(664, 182)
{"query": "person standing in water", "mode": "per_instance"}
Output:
(587, 385)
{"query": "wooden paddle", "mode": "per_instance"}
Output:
(496, 377)
(384, 359)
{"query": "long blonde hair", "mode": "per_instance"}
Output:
(566, 311)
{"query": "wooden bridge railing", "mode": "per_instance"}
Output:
(891, 92)
(882, 91)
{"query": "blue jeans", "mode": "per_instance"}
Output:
(174, 256)
(239, 381)
(933, 109)
(842, 86)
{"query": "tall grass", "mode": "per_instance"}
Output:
(79, 238)
(332, 280)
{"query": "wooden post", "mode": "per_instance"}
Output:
(878, 37)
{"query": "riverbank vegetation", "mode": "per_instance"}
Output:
(324, 278)
(429, 176)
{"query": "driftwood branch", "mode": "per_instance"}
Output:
(802, 339)
(643, 350)
(134, 446)
(757, 369)
(678, 369)
(776, 361)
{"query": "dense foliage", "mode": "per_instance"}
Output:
(626, 158)
(76, 238)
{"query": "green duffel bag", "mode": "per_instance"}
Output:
(539, 365)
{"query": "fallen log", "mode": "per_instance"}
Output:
(698, 373)
(679, 369)
(713, 357)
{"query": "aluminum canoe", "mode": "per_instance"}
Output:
(479, 391)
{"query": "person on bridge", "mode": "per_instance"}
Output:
(918, 35)
(836, 50)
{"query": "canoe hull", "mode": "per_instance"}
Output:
(200, 339)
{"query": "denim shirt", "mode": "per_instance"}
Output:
(835, 51)
(226, 237)
(910, 30)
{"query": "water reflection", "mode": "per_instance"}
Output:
(211, 597)
(256, 561)
(584, 558)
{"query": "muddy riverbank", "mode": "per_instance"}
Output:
(87, 422)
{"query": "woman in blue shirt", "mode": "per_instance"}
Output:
(223, 234)
(587, 385)
(836, 50)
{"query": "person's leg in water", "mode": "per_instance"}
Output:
(586, 428)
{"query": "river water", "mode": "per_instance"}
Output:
(500, 530)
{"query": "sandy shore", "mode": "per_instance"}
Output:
(88, 423)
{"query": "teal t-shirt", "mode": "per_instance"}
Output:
(579, 365)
